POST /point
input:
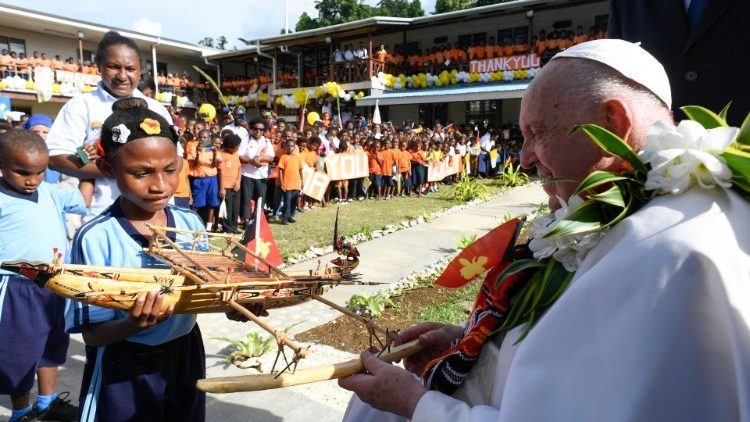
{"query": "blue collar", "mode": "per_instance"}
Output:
(126, 225)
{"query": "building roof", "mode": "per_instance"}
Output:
(386, 23)
(473, 92)
(39, 22)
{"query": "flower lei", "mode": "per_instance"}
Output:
(701, 151)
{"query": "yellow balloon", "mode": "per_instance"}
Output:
(207, 112)
(313, 117)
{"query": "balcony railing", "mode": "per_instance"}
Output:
(357, 70)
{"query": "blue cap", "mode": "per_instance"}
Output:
(38, 119)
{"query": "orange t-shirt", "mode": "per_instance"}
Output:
(382, 55)
(390, 157)
(22, 64)
(373, 162)
(577, 39)
(490, 51)
(439, 59)
(310, 158)
(541, 45)
(404, 161)
(230, 170)
(508, 50)
(416, 157)
(291, 166)
(183, 185)
(479, 52)
(201, 160)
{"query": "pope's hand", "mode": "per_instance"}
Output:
(436, 338)
(385, 386)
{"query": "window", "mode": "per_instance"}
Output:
(408, 48)
(468, 40)
(428, 113)
(518, 35)
(13, 44)
(161, 67)
(600, 20)
(88, 56)
(479, 111)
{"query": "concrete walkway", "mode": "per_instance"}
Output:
(384, 260)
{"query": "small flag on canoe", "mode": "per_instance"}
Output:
(259, 237)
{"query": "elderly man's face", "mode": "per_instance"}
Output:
(546, 118)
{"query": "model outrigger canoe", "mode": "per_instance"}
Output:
(203, 277)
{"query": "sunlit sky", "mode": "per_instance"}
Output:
(188, 20)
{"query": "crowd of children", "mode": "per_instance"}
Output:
(398, 159)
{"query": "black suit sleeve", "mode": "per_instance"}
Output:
(614, 26)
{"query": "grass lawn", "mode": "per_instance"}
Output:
(315, 227)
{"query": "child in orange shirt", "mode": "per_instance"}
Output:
(290, 174)
(386, 168)
(203, 157)
(404, 168)
(229, 181)
(375, 160)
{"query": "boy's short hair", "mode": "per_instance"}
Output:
(231, 140)
(21, 139)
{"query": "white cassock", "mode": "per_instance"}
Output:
(654, 327)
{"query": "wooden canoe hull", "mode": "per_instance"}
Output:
(118, 288)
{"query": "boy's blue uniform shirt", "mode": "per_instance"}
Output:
(31, 226)
(111, 240)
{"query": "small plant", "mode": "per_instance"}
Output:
(542, 209)
(506, 217)
(427, 216)
(369, 306)
(512, 176)
(365, 230)
(466, 190)
(464, 241)
(253, 346)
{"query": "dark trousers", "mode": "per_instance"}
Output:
(252, 189)
(232, 202)
(278, 199)
(290, 203)
(356, 188)
(128, 381)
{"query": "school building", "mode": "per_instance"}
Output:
(284, 65)
(307, 59)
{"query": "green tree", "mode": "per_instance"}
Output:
(400, 8)
(207, 41)
(333, 12)
(306, 22)
(221, 42)
(443, 6)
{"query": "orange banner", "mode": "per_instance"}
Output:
(347, 166)
(504, 63)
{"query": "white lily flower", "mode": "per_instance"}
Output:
(686, 155)
(569, 250)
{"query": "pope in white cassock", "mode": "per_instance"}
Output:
(654, 324)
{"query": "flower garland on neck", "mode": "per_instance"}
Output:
(702, 151)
